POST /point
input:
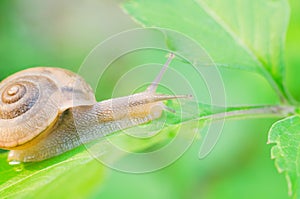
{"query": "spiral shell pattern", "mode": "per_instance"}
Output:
(26, 108)
(32, 100)
(15, 100)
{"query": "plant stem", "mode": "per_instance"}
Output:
(253, 112)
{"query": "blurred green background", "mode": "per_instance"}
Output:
(62, 33)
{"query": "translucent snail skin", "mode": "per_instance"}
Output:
(38, 118)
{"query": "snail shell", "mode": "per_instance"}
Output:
(32, 100)
(45, 112)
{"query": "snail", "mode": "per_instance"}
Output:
(41, 111)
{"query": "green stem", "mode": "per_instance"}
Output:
(277, 111)
(190, 111)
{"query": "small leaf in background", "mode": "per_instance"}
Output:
(247, 35)
(286, 135)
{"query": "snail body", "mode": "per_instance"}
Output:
(45, 112)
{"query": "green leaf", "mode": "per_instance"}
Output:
(40, 179)
(286, 135)
(239, 34)
(72, 169)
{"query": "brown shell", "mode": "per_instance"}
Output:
(32, 100)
